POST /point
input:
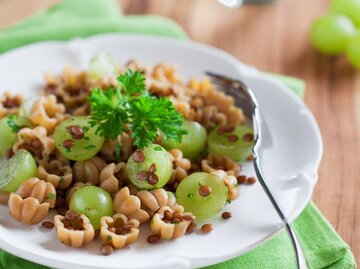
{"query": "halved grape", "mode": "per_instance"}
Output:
(76, 140)
(236, 144)
(92, 201)
(350, 8)
(149, 168)
(191, 143)
(330, 33)
(10, 126)
(202, 194)
(16, 170)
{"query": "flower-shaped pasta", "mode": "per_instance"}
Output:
(56, 173)
(47, 112)
(108, 150)
(215, 162)
(181, 165)
(112, 175)
(153, 200)
(36, 142)
(171, 223)
(210, 116)
(9, 104)
(230, 181)
(74, 230)
(88, 170)
(30, 204)
(129, 205)
(119, 231)
(73, 189)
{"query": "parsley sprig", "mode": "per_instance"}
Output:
(130, 106)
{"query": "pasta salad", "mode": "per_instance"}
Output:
(117, 147)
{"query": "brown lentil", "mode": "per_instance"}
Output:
(232, 138)
(204, 190)
(191, 228)
(207, 228)
(152, 168)
(12, 102)
(153, 179)
(62, 210)
(168, 215)
(248, 137)
(251, 180)
(47, 224)
(250, 158)
(241, 179)
(152, 239)
(71, 215)
(142, 175)
(188, 217)
(107, 249)
(69, 143)
(138, 156)
(226, 215)
(225, 129)
(76, 132)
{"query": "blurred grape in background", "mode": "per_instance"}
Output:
(338, 31)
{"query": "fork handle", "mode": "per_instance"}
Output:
(271, 197)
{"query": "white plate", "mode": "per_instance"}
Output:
(290, 160)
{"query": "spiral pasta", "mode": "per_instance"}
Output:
(88, 170)
(181, 165)
(129, 205)
(47, 112)
(153, 200)
(56, 173)
(36, 142)
(112, 175)
(108, 150)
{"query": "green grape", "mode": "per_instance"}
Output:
(191, 196)
(330, 33)
(191, 143)
(150, 167)
(102, 65)
(350, 8)
(353, 51)
(93, 202)
(76, 140)
(10, 126)
(236, 144)
(16, 170)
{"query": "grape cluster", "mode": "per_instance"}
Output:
(338, 32)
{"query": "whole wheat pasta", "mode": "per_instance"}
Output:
(119, 231)
(31, 203)
(56, 173)
(9, 104)
(74, 237)
(88, 170)
(47, 112)
(36, 142)
(112, 175)
(129, 205)
(171, 227)
(215, 162)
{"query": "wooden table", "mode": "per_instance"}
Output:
(275, 38)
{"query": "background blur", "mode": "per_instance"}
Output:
(275, 38)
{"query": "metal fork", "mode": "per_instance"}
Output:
(244, 98)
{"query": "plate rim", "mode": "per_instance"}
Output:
(243, 69)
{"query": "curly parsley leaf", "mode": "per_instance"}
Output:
(10, 120)
(107, 112)
(111, 110)
(133, 82)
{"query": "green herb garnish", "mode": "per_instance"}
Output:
(11, 123)
(108, 237)
(117, 151)
(131, 104)
(90, 147)
(228, 200)
(52, 196)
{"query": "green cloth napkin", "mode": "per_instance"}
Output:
(322, 246)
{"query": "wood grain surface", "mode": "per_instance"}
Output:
(275, 38)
